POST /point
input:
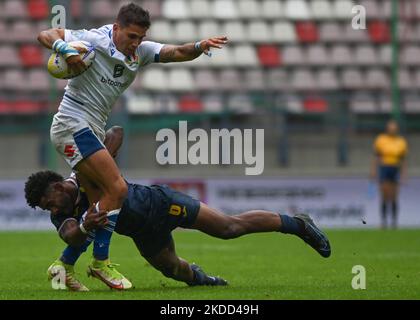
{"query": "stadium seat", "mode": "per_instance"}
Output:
(206, 79)
(385, 54)
(175, 9)
(161, 31)
(245, 56)
(167, 103)
(321, 9)
(326, 79)
(315, 105)
(249, 9)
(342, 9)
(411, 103)
(240, 103)
(303, 79)
(38, 9)
(155, 79)
(201, 9)
(230, 79)
(26, 107)
(208, 29)
(141, 104)
(291, 103)
(181, 80)
(269, 56)
(342, 55)
(377, 79)
(6, 107)
(22, 31)
(38, 80)
(417, 79)
(352, 79)
(255, 79)
(190, 104)
(15, 9)
(410, 55)
(154, 7)
(185, 31)
(76, 8)
(355, 36)
(278, 80)
(366, 55)
(284, 32)
(297, 10)
(318, 55)
(14, 80)
(220, 58)
(213, 103)
(373, 8)
(379, 31)
(259, 32)
(225, 9)
(31, 56)
(9, 56)
(405, 79)
(235, 31)
(384, 103)
(307, 31)
(331, 32)
(293, 55)
(363, 102)
(272, 9)
(102, 9)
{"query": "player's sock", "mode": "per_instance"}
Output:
(103, 236)
(202, 279)
(394, 210)
(290, 225)
(384, 214)
(71, 254)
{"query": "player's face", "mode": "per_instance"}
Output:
(129, 38)
(57, 201)
(392, 128)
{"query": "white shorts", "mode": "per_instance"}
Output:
(75, 138)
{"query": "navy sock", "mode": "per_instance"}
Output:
(103, 237)
(71, 254)
(290, 225)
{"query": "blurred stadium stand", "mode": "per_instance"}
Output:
(320, 89)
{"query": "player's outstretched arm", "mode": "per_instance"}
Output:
(190, 51)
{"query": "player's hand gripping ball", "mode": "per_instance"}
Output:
(58, 67)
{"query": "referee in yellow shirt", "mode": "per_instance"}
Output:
(390, 150)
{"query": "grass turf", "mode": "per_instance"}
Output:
(261, 266)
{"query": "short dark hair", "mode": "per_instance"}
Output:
(37, 184)
(133, 14)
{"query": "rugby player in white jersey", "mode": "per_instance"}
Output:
(78, 128)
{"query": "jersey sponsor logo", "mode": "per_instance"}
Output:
(113, 83)
(69, 150)
(118, 70)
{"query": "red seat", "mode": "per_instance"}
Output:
(5, 107)
(269, 56)
(38, 9)
(190, 104)
(317, 105)
(307, 31)
(26, 107)
(379, 32)
(31, 56)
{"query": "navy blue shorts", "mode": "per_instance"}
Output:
(389, 173)
(169, 209)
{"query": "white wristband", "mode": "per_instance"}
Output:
(197, 46)
(82, 228)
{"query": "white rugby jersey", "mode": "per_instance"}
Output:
(109, 75)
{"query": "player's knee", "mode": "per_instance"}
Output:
(118, 190)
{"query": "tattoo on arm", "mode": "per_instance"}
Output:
(186, 52)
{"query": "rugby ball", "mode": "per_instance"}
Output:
(57, 65)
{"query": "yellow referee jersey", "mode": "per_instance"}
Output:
(390, 149)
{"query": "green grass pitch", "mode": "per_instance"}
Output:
(260, 266)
